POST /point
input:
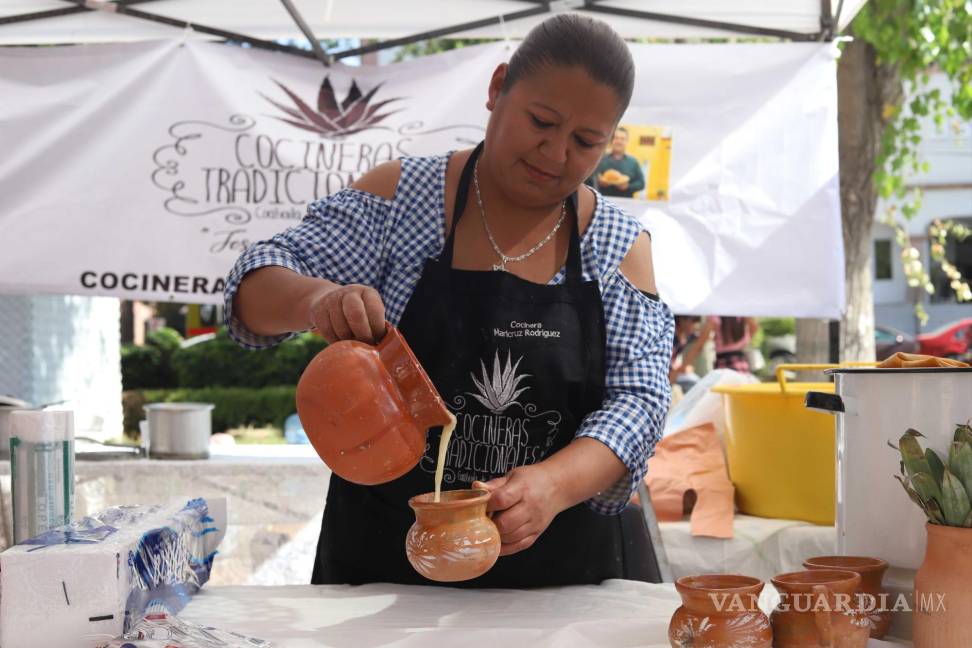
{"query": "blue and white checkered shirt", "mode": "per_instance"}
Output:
(356, 237)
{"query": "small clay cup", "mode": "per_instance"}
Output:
(453, 539)
(818, 610)
(721, 611)
(871, 571)
(366, 409)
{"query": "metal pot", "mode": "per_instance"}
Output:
(875, 517)
(179, 430)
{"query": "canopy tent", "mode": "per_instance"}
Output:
(730, 163)
(390, 21)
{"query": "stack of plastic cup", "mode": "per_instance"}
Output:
(42, 471)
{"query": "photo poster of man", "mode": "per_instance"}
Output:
(636, 163)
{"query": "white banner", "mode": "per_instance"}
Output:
(143, 170)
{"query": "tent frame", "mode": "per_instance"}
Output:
(827, 32)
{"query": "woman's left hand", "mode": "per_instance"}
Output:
(523, 503)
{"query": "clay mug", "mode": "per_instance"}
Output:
(452, 539)
(366, 408)
(719, 611)
(871, 571)
(818, 609)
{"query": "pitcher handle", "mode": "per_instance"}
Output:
(822, 617)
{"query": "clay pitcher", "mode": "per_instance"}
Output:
(719, 611)
(943, 595)
(871, 571)
(818, 609)
(366, 409)
(453, 539)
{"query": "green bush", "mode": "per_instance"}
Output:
(141, 367)
(149, 366)
(167, 340)
(221, 362)
(778, 326)
(235, 406)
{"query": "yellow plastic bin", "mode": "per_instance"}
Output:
(782, 456)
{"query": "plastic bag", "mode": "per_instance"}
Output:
(165, 631)
(701, 405)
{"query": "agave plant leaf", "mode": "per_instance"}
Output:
(960, 463)
(302, 125)
(936, 465)
(380, 118)
(488, 386)
(926, 487)
(353, 95)
(511, 368)
(376, 107)
(963, 433)
(296, 114)
(934, 512)
(326, 99)
(912, 494)
(955, 501)
(311, 115)
(892, 446)
(511, 381)
(355, 111)
(499, 390)
(912, 455)
(968, 521)
(912, 432)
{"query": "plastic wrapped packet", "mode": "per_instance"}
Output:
(701, 405)
(99, 576)
(162, 630)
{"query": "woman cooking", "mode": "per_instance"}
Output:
(528, 299)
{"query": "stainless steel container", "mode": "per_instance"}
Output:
(179, 430)
(874, 407)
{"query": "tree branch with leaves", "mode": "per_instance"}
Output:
(913, 39)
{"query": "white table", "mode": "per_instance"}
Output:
(615, 614)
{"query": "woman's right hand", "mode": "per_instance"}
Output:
(352, 312)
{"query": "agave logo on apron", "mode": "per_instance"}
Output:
(496, 428)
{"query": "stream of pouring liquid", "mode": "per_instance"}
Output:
(443, 448)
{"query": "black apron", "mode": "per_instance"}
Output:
(520, 365)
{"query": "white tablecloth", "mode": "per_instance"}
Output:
(614, 614)
(760, 547)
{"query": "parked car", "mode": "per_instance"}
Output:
(888, 341)
(951, 341)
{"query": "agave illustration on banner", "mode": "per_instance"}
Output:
(332, 118)
(499, 391)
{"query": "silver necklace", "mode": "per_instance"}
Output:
(501, 266)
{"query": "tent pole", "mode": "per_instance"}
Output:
(541, 8)
(319, 52)
(826, 21)
(126, 10)
(54, 13)
(840, 5)
(699, 22)
(40, 15)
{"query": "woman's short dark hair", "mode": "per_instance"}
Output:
(574, 40)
